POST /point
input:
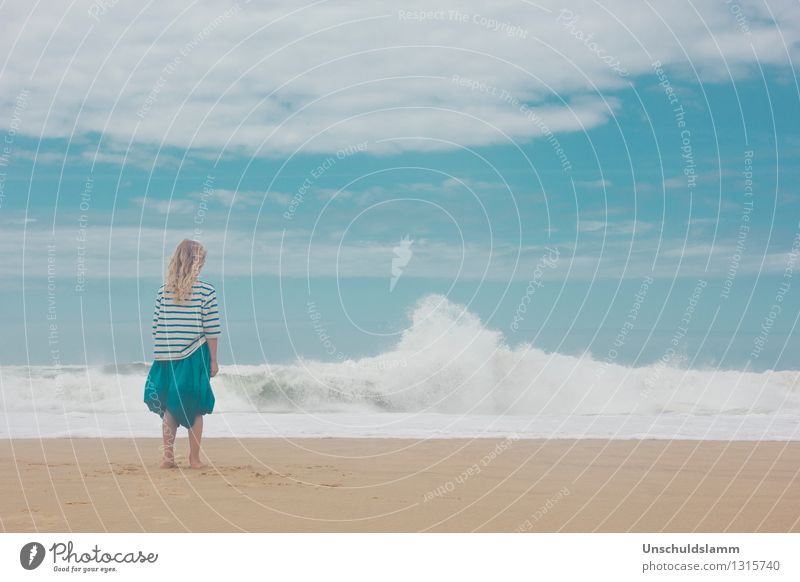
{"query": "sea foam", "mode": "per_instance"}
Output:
(445, 362)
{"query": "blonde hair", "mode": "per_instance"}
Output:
(184, 268)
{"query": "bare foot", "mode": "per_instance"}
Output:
(197, 465)
(168, 464)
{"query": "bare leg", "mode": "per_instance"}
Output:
(195, 436)
(169, 428)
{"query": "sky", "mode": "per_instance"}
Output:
(348, 160)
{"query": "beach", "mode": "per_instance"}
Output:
(401, 485)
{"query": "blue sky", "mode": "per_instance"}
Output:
(301, 147)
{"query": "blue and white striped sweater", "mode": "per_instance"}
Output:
(179, 329)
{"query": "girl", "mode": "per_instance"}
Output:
(186, 329)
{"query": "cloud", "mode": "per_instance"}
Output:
(194, 201)
(44, 157)
(600, 183)
(126, 252)
(243, 198)
(702, 221)
(622, 227)
(161, 206)
(19, 220)
(146, 157)
(272, 80)
(607, 211)
(332, 194)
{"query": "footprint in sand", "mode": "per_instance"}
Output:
(125, 469)
(173, 492)
(222, 470)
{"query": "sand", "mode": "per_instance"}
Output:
(369, 485)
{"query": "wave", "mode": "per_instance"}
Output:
(445, 361)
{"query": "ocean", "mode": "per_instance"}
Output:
(448, 376)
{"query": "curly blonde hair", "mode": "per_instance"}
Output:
(184, 268)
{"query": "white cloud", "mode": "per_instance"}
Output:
(273, 80)
(19, 220)
(44, 157)
(600, 183)
(591, 225)
(250, 198)
(193, 201)
(622, 227)
(703, 221)
(332, 194)
(162, 206)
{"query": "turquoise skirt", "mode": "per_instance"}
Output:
(181, 386)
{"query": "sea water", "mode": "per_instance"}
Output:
(447, 376)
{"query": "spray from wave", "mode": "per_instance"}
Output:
(446, 361)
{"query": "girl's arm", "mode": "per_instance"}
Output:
(212, 347)
(212, 328)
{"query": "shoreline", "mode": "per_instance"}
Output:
(390, 484)
(775, 441)
(141, 423)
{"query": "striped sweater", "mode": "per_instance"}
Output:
(179, 329)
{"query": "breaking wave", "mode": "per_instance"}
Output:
(445, 361)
